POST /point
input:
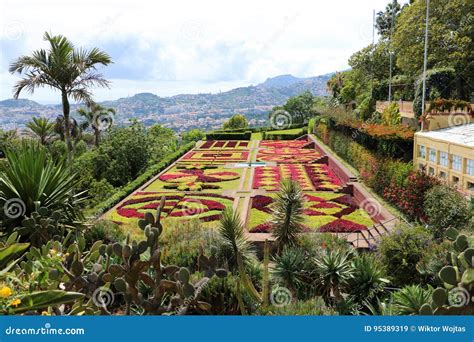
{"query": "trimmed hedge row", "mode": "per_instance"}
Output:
(283, 136)
(229, 135)
(149, 173)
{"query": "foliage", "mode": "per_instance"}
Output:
(235, 122)
(445, 207)
(98, 118)
(42, 128)
(410, 299)
(232, 239)
(391, 114)
(386, 20)
(192, 135)
(287, 215)
(63, 67)
(32, 177)
(410, 196)
(401, 250)
(300, 107)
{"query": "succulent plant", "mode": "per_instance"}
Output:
(455, 298)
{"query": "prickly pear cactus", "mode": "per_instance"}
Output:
(456, 297)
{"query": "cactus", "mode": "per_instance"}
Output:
(458, 279)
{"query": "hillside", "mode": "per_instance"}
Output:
(185, 111)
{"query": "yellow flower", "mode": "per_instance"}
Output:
(53, 252)
(15, 302)
(5, 292)
(45, 313)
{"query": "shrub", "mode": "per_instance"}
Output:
(445, 208)
(410, 299)
(401, 250)
(105, 231)
(391, 114)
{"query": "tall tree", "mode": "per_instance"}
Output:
(98, 118)
(385, 20)
(69, 70)
(42, 128)
(235, 122)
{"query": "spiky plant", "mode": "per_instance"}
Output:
(41, 128)
(232, 239)
(287, 216)
(32, 176)
(334, 272)
(62, 67)
(410, 299)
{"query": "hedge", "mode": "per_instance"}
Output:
(149, 173)
(283, 136)
(225, 135)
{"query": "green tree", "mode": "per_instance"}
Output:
(446, 208)
(235, 122)
(98, 118)
(300, 106)
(384, 19)
(63, 67)
(287, 216)
(192, 135)
(42, 128)
(451, 32)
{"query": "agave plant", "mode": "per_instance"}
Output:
(410, 299)
(287, 216)
(368, 278)
(334, 271)
(32, 178)
(232, 239)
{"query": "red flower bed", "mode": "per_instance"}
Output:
(322, 178)
(342, 226)
(207, 144)
(231, 144)
(219, 143)
(261, 203)
(243, 143)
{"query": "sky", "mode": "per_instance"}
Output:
(185, 46)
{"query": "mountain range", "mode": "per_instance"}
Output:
(181, 112)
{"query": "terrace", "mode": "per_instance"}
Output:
(246, 176)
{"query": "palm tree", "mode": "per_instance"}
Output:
(287, 214)
(62, 67)
(42, 128)
(75, 131)
(334, 273)
(232, 239)
(97, 117)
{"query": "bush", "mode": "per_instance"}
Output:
(445, 208)
(391, 114)
(105, 231)
(223, 135)
(282, 136)
(401, 250)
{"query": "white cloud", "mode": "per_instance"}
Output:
(192, 46)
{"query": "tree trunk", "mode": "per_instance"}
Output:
(97, 136)
(67, 128)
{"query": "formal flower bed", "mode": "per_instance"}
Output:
(310, 177)
(283, 143)
(216, 156)
(224, 144)
(196, 177)
(205, 206)
(288, 155)
(324, 211)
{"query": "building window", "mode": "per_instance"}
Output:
(443, 159)
(442, 175)
(432, 155)
(457, 163)
(470, 167)
(431, 171)
(455, 180)
(422, 152)
(470, 186)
